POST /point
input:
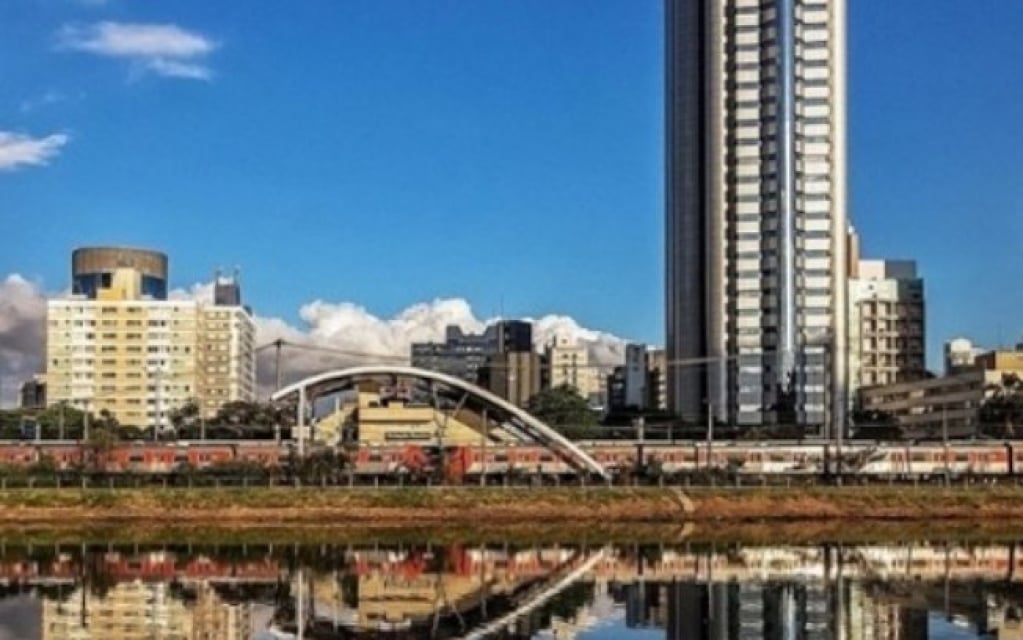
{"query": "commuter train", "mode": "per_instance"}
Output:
(868, 460)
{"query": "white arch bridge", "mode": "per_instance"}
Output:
(446, 393)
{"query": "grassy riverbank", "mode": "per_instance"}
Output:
(489, 507)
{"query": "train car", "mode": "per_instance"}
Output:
(18, 454)
(929, 460)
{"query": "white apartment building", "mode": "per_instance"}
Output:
(756, 210)
(569, 363)
(886, 323)
(139, 357)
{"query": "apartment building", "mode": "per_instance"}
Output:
(115, 346)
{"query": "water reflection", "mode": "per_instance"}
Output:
(510, 591)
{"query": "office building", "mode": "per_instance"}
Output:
(756, 210)
(951, 402)
(463, 355)
(656, 380)
(568, 363)
(33, 393)
(115, 347)
(635, 392)
(615, 389)
(886, 323)
(515, 376)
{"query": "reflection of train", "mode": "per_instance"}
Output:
(504, 460)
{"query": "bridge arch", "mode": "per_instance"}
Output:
(309, 389)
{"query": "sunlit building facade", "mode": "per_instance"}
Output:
(756, 210)
(116, 348)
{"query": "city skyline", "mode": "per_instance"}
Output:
(104, 183)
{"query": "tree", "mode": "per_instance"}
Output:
(1002, 408)
(185, 417)
(564, 409)
(102, 439)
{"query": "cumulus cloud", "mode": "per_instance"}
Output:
(355, 336)
(341, 334)
(329, 334)
(18, 150)
(22, 334)
(202, 291)
(163, 49)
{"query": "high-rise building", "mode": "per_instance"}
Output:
(515, 376)
(568, 363)
(886, 324)
(656, 380)
(635, 376)
(756, 210)
(116, 347)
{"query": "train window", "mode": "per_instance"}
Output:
(501, 457)
(135, 457)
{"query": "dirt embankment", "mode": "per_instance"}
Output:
(474, 506)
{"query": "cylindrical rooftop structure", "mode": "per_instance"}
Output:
(92, 268)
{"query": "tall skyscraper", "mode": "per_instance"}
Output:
(756, 210)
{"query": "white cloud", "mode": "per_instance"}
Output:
(18, 150)
(359, 337)
(334, 334)
(176, 69)
(164, 49)
(22, 333)
(202, 291)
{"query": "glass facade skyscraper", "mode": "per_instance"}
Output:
(756, 210)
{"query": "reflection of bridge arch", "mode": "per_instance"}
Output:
(323, 384)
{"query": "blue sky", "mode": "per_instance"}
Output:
(504, 151)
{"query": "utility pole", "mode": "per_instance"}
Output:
(301, 422)
(944, 440)
(483, 450)
(278, 343)
(60, 436)
(159, 403)
(710, 432)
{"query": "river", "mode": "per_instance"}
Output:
(424, 586)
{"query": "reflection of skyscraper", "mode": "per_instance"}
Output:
(702, 612)
(215, 619)
(128, 611)
(870, 617)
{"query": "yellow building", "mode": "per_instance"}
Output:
(115, 347)
(128, 611)
(378, 420)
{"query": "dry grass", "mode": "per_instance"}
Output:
(502, 506)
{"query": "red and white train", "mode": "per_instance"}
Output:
(621, 458)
